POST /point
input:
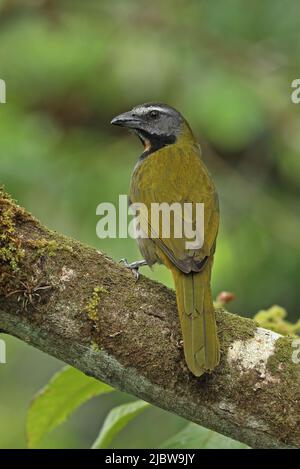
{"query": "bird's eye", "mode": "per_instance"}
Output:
(154, 114)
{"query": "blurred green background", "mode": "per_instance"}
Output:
(69, 67)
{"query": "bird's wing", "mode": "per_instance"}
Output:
(177, 175)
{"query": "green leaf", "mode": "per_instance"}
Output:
(116, 420)
(195, 437)
(66, 391)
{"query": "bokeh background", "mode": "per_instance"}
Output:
(70, 66)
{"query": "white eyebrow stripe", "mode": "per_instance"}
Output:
(147, 109)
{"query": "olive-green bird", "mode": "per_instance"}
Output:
(171, 170)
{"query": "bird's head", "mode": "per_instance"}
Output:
(156, 124)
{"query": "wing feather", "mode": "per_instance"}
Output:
(171, 175)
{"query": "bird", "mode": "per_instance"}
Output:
(171, 170)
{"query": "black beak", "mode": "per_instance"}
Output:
(126, 120)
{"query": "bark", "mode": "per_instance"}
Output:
(78, 305)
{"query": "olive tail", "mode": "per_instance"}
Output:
(197, 319)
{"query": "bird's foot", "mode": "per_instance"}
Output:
(134, 267)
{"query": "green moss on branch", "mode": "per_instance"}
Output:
(92, 307)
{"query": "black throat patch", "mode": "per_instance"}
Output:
(154, 142)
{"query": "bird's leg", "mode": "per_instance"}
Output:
(134, 266)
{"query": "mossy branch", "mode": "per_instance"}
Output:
(76, 304)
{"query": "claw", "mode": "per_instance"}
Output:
(134, 267)
(125, 262)
(136, 274)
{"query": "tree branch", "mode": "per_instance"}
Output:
(76, 304)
